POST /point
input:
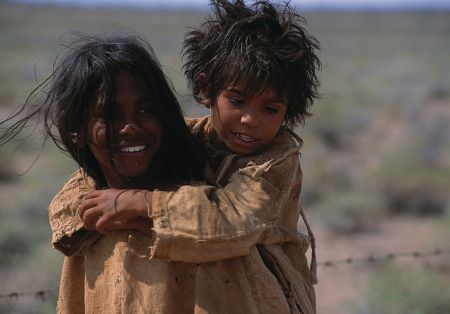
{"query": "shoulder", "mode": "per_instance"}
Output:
(278, 162)
(286, 145)
(285, 139)
(78, 184)
(80, 180)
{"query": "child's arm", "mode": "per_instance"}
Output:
(204, 223)
(105, 210)
(68, 233)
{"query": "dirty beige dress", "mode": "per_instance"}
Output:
(227, 247)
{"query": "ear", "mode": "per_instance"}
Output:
(77, 140)
(201, 96)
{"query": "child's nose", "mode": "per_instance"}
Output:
(249, 118)
(129, 122)
(130, 127)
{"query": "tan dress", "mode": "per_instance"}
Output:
(228, 247)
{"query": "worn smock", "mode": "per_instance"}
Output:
(112, 273)
(231, 246)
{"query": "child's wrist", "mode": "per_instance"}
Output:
(148, 204)
(142, 203)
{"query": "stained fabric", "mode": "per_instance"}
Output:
(228, 246)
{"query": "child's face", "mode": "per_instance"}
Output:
(138, 133)
(246, 124)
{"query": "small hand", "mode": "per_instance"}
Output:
(102, 207)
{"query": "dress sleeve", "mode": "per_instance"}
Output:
(204, 223)
(68, 234)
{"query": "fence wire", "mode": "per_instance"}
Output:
(370, 259)
(40, 294)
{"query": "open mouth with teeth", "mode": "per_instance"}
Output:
(133, 149)
(244, 137)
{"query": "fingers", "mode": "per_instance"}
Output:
(85, 206)
(104, 221)
(95, 205)
(90, 211)
(90, 220)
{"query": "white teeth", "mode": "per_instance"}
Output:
(133, 149)
(244, 137)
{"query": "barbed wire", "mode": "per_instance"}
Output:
(370, 259)
(40, 294)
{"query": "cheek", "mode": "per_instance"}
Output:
(159, 133)
(274, 125)
(155, 128)
(97, 133)
(225, 115)
(281, 117)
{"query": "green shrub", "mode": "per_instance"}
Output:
(351, 212)
(409, 185)
(408, 290)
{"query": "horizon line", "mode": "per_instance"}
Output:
(430, 6)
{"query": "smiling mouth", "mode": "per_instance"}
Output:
(244, 137)
(133, 149)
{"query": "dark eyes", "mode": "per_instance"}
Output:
(116, 113)
(147, 109)
(271, 110)
(236, 101)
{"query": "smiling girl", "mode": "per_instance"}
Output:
(116, 115)
(255, 66)
(136, 140)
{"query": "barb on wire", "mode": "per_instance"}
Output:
(370, 259)
(37, 294)
(376, 259)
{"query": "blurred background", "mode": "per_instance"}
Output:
(376, 154)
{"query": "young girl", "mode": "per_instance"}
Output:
(255, 67)
(117, 117)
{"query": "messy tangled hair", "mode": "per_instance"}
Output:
(259, 46)
(91, 66)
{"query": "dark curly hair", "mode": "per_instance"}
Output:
(260, 46)
(90, 66)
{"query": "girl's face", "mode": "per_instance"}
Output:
(246, 124)
(138, 134)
